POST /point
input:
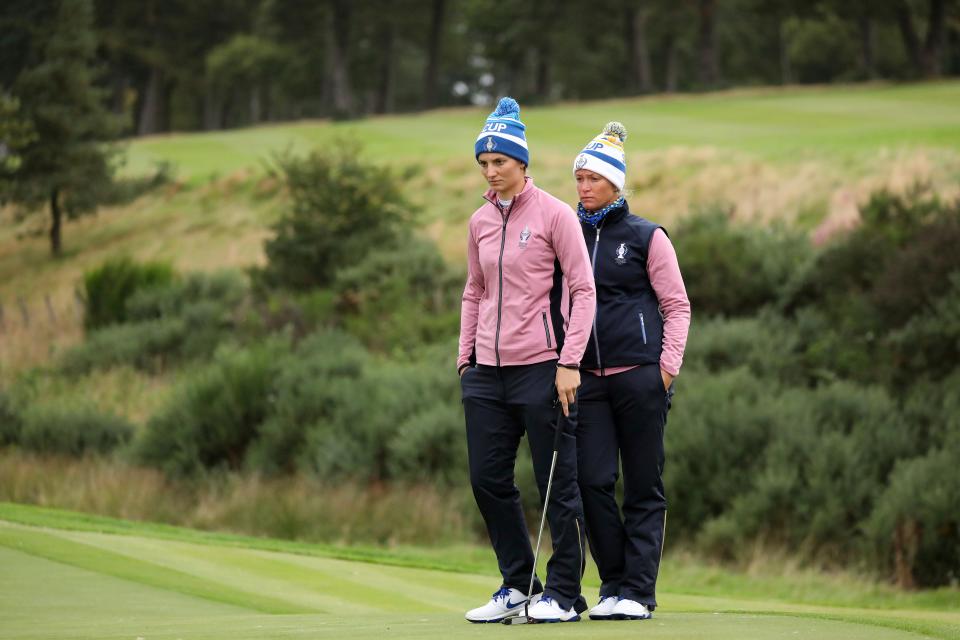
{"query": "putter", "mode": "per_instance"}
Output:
(525, 618)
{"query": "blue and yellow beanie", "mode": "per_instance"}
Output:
(504, 133)
(604, 155)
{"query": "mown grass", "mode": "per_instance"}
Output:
(79, 576)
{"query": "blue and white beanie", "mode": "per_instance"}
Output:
(604, 155)
(504, 133)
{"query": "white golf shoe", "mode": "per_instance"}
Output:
(604, 608)
(505, 603)
(631, 610)
(547, 610)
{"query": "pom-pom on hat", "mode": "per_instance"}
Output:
(604, 155)
(504, 133)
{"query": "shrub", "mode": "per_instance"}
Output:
(734, 269)
(72, 429)
(10, 420)
(108, 287)
(915, 527)
(308, 390)
(342, 208)
(214, 414)
(431, 446)
(401, 298)
(184, 320)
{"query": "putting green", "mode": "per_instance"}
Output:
(84, 584)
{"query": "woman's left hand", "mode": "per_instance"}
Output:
(667, 379)
(567, 382)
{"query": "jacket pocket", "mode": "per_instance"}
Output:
(546, 329)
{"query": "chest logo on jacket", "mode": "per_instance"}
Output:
(621, 254)
(524, 236)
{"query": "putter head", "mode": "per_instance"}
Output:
(521, 619)
(516, 620)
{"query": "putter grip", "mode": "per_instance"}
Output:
(558, 430)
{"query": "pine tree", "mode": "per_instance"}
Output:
(67, 166)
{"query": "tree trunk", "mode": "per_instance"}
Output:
(255, 104)
(429, 98)
(673, 65)
(909, 34)
(151, 107)
(338, 39)
(786, 74)
(867, 39)
(933, 46)
(383, 103)
(709, 65)
(636, 23)
(212, 111)
(56, 222)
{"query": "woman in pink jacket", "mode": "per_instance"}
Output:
(516, 363)
(635, 350)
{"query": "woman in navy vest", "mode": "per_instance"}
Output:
(633, 354)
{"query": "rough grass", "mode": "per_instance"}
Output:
(73, 576)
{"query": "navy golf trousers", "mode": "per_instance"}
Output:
(500, 405)
(622, 417)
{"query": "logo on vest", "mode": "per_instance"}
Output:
(581, 161)
(621, 254)
(524, 236)
(491, 145)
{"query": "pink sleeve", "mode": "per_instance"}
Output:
(664, 272)
(470, 307)
(574, 260)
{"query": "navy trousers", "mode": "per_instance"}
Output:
(622, 418)
(500, 405)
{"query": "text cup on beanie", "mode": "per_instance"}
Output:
(504, 133)
(604, 155)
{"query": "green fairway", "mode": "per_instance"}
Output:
(81, 577)
(786, 124)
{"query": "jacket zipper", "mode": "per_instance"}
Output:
(546, 329)
(503, 242)
(643, 328)
(593, 265)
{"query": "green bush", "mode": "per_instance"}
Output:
(181, 321)
(72, 429)
(915, 528)
(108, 287)
(10, 420)
(308, 390)
(343, 207)
(431, 446)
(399, 299)
(732, 269)
(214, 414)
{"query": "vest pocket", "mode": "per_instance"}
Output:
(643, 328)
(546, 329)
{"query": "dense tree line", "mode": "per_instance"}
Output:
(211, 64)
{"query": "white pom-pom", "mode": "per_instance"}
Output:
(506, 107)
(616, 129)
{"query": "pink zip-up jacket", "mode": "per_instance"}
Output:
(517, 262)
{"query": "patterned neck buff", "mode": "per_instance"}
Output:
(595, 218)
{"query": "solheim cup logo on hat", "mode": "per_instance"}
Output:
(581, 161)
(491, 145)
